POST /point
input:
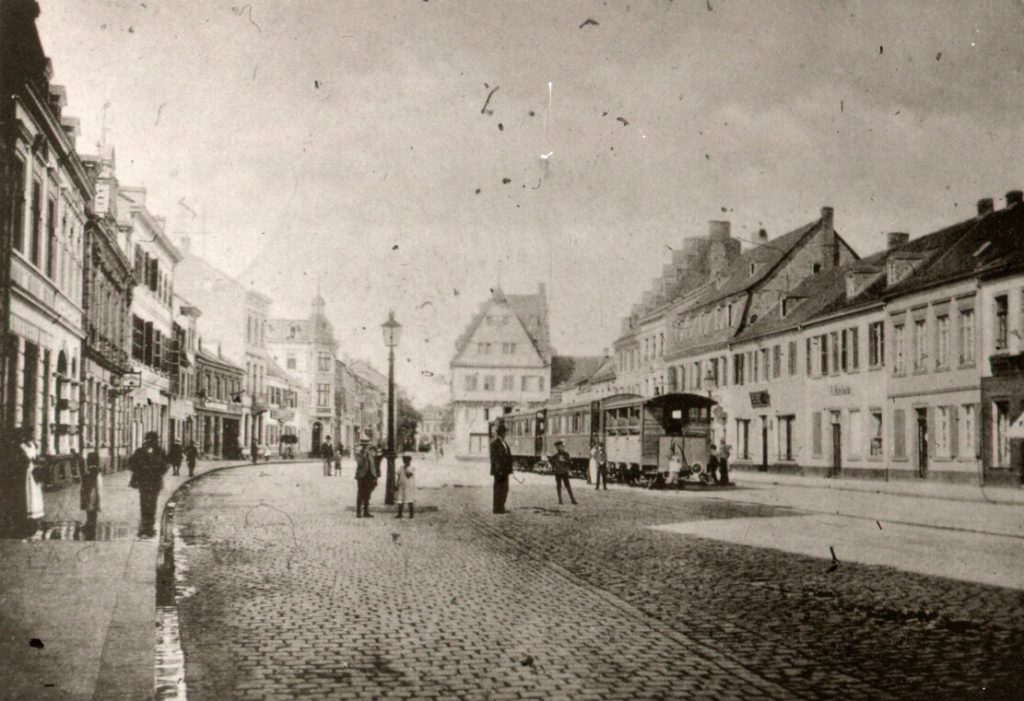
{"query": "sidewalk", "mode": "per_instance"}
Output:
(77, 618)
(915, 488)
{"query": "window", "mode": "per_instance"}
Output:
(755, 371)
(138, 338)
(37, 221)
(540, 383)
(834, 344)
(965, 425)
(854, 348)
(856, 438)
(507, 383)
(920, 344)
(696, 375)
(737, 369)
(470, 383)
(18, 208)
(876, 344)
(899, 349)
(1001, 326)
(942, 341)
(764, 364)
(323, 363)
(786, 437)
(488, 383)
(808, 357)
(844, 353)
(967, 337)
(661, 344)
(941, 437)
(823, 353)
(876, 434)
(1000, 434)
(290, 361)
(777, 361)
(522, 383)
(792, 358)
(51, 237)
(743, 438)
(899, 434)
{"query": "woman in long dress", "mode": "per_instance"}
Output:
(406, 491)
(35, 508)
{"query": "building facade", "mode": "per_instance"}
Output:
(219, 411)
(502, 361)
(45, 191)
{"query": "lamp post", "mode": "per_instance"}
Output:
(392, 333)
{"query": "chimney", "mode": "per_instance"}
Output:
(894, 239)
(762, 236)
(827, 244)
(1014, 197)
(985, 206)
(718, 230)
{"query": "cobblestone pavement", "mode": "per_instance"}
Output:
(284, 594)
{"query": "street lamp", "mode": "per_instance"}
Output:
(392, 333)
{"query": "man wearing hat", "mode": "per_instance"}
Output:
(406, 490)
(501, 468)
(367, 474)
(561, 464)
(148, 465)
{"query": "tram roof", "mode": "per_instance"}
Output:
(686, 397)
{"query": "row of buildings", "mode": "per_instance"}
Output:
(110, 329)
(904, 364)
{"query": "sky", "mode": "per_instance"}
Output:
(413, 154)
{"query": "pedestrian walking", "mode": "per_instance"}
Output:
(367, 474)
(327, 453)
(561, 463)
(406, 491)
(148, 465)
(191, 455)
(601, 468)
(501, 468)
(32, 473)
(337, 460)
(724, 451)
(713, 465)
(592, 464)
(90, 494)
(175, 455)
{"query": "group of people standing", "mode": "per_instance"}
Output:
(368, 471)
(331, 455)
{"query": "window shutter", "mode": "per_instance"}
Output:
(816, 429)
(954, 432)
(930, 414)
(899, 431)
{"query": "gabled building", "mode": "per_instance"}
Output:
(502, 360)
(283, 392)
(219, 411)
(306, 349)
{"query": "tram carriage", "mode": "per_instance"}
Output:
(637, 433)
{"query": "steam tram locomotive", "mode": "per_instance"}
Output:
(637, 433)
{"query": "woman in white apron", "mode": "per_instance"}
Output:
(592, 465)
(35, 509)
(406, 491)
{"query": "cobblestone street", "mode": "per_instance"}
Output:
(283, 593)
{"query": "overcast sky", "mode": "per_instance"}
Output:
(347, 142)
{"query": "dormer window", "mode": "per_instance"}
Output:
(753, 267)
(816, 268)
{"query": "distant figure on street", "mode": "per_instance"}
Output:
(90, 494)
(33, 475)
(337, 460)
(723, 461)
(713, 464)
(175, 455)
(148, 466)
(601, 466)
(501, 468)
(327, 453)
(367, 474)
(561, 463)
(592, 464)
(191, 455)
(406, 491)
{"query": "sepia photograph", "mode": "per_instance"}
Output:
(511, 349)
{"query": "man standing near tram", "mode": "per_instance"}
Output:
(501, 467)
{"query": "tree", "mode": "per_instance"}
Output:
(405, 423)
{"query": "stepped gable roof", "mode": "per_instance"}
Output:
(525, 307)
(819, 294)
(569, 370)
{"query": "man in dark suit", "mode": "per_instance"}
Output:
(367, 474)
(501, 468)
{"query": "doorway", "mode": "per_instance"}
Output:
(837, 450)
(317, 438)
(764, 444)
(922, 442)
